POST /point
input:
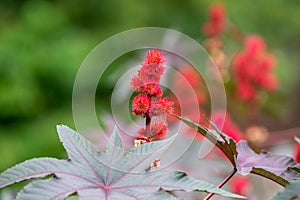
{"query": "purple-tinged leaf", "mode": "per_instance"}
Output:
(113, 174)
(40, 167)
(170, 181)
(55, 188)
(279, 165)
(81, 152)
(246, 160)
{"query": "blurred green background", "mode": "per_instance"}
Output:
(42, 44)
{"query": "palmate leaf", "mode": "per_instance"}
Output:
(113, 174)
(281, 169)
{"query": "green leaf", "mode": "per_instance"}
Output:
(291, 191)
(112, 174)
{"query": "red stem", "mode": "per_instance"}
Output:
(148, 122)
(222, 183)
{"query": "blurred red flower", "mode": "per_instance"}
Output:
(240, 185)
(217, 20)
(253, 69)
(224, 122)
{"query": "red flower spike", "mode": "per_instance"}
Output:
(161, 107)
(246, 92)
(148, 76)
(269, 82)
(147, 81)
(151, 89)
(136, 83)
(151, 73)
(253, 69)
(159, 129)
(156, 110)
(217, 23)
(268, 62)
(141, 104)
(167, 104)
(155, 57)
(254, 45)
(217, 12)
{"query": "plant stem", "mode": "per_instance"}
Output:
(148, 122)
(222, 183)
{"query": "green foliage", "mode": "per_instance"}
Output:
(42, 44)
(105, 175)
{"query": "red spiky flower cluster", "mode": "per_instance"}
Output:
(254, 69)
(149, 102)
(148, 76)
(217, 23)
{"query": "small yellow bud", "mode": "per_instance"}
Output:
(156, 163)
(137, 143)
